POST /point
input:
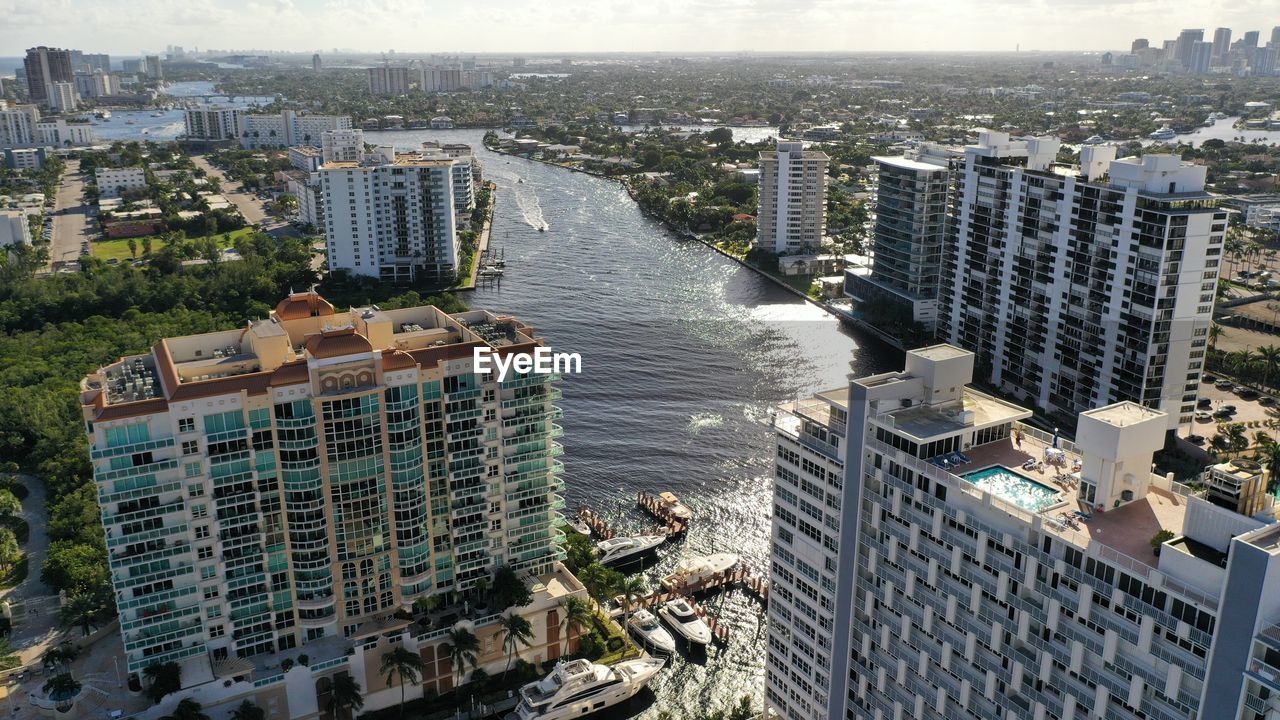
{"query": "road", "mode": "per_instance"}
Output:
(35, 605)
(72, 224)
(249, 205)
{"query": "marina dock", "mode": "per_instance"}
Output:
(600, 528)
(674, 525)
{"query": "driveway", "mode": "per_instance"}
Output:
(34, 605)
(72, 224)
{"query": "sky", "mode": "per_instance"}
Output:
(125, 27)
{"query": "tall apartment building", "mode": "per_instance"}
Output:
(910, 233)
(1201, 58)
(391, 217)
(906, 586)
(18, 126)
(287, 486)
(1184, 44)
(1221, 43)
(154, 67)
(288, 128)
(342, 146)
(14, 229)
(1082, 286)
(465, 172)
(213, 122)
(63, 97)
(59, 132)
(388, 80)
(792, 211)
(316, 64)
(45, 66)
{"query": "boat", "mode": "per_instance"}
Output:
(1094, 140)
(646, 625)
(103, 114)
(128, 122)
(581, 687)
(672, 505)
(490, 272)
(157, 114)
(580, 526)
(542, 228)
(1164, 133)
(615, 550)
(696, 570)
(519, 180)
(682, 618)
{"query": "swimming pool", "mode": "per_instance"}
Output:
(1014, 487)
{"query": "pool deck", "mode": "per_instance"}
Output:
(1128, 529)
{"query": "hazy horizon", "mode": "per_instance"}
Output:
(128, 27)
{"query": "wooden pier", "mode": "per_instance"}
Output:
(600, 528)
(735, 576)
(655, 506)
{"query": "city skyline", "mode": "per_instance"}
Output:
(814, 25)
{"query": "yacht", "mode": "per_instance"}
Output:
(103, 114)
(580, 526)
(1164, 133)
(646, 625)
(672, 505)
(1094, 140)
(680, 615)
(615, 550)
(580, 687)
(696, 570)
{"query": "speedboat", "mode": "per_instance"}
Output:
(542, 228)
(580, 687)
(1164, 133)
(580, 526)
(696, 570)
(646, 625)
(680, 615)
(672, 505)
(617, 549)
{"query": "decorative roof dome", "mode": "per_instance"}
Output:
(303, 304)
(336, 343)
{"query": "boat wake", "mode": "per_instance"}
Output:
(702, 421)
(530, 208)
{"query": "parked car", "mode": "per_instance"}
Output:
(1266, 400)
(1229, 408)
(1204, 417)
(1211, 379)
(1224, 384)
(1247, 393)
(1204, 402)
(1195, 439)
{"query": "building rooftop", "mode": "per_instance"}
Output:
(975, 409)
(907, 163)
(1123, 413)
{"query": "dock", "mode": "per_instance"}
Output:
(718, 630)
(736, 576)
(655, 506)
(600, 528)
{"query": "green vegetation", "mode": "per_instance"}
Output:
(130, 248)
(252, 168)
(401, 666)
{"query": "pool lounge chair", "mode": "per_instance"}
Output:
(963, 458)
(1030, 463)
(937, 460)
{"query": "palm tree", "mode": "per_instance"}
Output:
(81, 609)
(344, 695)
(1270, 358)
(577, 613)
(187, 709)
(402, 665)
(1215, 332)
(248, 711)
(630, 589)
(164, 678)
(516, 631)
(1240, 360)
(61, 688)
(463, 647)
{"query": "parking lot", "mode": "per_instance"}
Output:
(1247, 410)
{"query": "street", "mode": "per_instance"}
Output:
(72, 224)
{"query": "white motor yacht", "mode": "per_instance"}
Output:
(695, 570)
(580, 687)
(646, 625)
(1164, 133)
(672, 504)
(682, 618)
(615, 550)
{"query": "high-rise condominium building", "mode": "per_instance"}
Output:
(214, 122)
(62, 97)
(1182, 50)
(45, 66)
(288, 129)
(1201, 58)
(342, 145)
(391, 217)
(18, 126)
(289, 485)
(920, 571)
(316, 64)
(1082, 286)
(910, 233)
(388, 80)
(792, 214)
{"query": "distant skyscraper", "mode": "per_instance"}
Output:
(1201, 58)
(315, 62)
(1251, 39)
(45, 66)
(1139, 44)
(1186, 40)
(1221, 42)
(1275, 36)
(342, 145)
(63, 97)
(155, 70)
(792, 214)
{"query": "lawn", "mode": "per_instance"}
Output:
(118, 248)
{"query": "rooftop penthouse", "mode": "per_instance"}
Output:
(1098, 493)
(304, 332)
